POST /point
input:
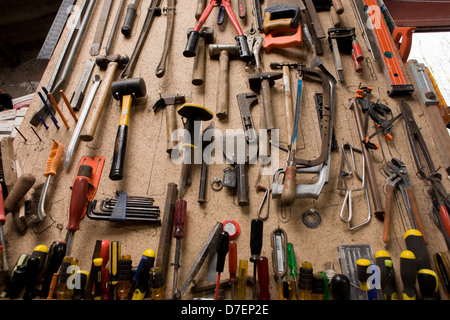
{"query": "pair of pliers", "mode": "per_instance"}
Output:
(399, 169)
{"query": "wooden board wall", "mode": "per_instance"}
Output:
(149, 169)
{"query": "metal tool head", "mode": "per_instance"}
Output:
(215, 50)
(103, 61)
(168, 100)
(195, 112)
(236, 149)
(280, 65)
(256, 79)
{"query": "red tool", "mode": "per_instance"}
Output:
(83, 190)
(222, 251)
(194, 35)
(263, 278)
(2, 235)
(232, 265)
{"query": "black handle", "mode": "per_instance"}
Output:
(244, 50)
(222, 250)
(128, 22)
(117, 165)
(191, 45)
(256, 238)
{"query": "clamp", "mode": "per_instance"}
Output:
(194, 35)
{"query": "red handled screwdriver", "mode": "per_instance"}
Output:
(232, 266)
(179, 220)
(222, 251)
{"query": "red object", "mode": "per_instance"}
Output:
(232, 261)
(78, 200)
(179, 218)
(2, 208)
(215, 3)
(263, 278)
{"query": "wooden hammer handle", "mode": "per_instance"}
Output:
(96, 110)
(267, 104)
(388, 211)
(171, 126)
(223, 86)
(198, 72)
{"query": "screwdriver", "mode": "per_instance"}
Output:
(179, 220)
(79, 292)
(156, 283)
(256, 236)
(291, 261)
(318, 287)
(97, 276)
(408, 274)
(222, 251)
(340, 287)
(387, 275)
(362, 268)
(114, 257)
(141, 277)
(124, 284)
(427, 278)
(442, 266)
(62, 291)
(41, 252)
(31, 275)
(242, 279)
(78, 201)
(11, 279)
(232, 266)
(305, 281)
(55, 257)
(263, 278)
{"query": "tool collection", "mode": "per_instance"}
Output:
(55, 272)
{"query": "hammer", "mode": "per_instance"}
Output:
(169, 102)
(127, 91)
(111, 63)
(224, 53)
(263, 82)
(286, 66)
(198, 73)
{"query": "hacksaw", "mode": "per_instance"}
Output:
(379, 41)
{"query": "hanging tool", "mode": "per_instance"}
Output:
(387, 275)
(426, 277)
(424, 83)
(340, 287)
(193, 113)
(442, 267)
(199, 68)
(242, 279)
(157, 285)
(222, 251)
(245, 102)
(429, 173)
(257, 12)
(281, 17)
(379, 41)
(153, 10)
(170, 11)
(204, 251)
(179, 220)
(55, 105)
(51, 169)
(390, 186)
(114, 258)
(114, 31)
(97, 275)
(84, 188)
(194, 36)
(127, 91)
(124, 283)
(232, 266)
(364, 269)
(408, 274)
(130, 17)
(81, 120)
(76, 100)
(305, 281)
(263, 278)
(399, 169)
(342, 184)
(168, 102)
(139, 285)
(111, 63)
(279, 258)
(101, 27)
(55, 257)
(292, 263)
(206, 161)
(256, 240)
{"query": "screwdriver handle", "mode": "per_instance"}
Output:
(256, 236)
(222, 250)
(415, 212)
(415, 242)
(291, 260)
(408, 274)
(179, 218)
(263, 278)
(78, 200)
(445, 218)
(242, 279)
(97, 278)
(232, 262)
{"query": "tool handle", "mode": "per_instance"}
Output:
(200, 8)
(242, 9)
(171, 127)
(256, 237)
(232, 262)
(408, 274)
(387, 211)
(54, 159)
(288, 194)
(415, 243)
(288, 102)
(445, 219)
(357, 51)
(263, 278)
(337, 5)
(117, 166)
(202, 186)
(18, 191)
(222, 250)
(79, 197)
(276, 24)
(242, 184)
(267, 104)
(128, 21)
(285, 38)
(102, 96)
(179, 218)
(198, 71)
(415, 212)
(223, 87)
(97, 275)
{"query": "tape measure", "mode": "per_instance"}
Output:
(232, 227)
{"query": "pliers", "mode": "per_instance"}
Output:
(194, 35)
(397, 169)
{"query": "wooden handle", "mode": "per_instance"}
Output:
(415, 212)
(171, 126)
(18, 191)
(223, 86)
(289, 189)
(337, 5)
(267, 104)
(198, 72)
(387, 213)
(95, 112)
(242, 184)
(335, 17)
(200, 8)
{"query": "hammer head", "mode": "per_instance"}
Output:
(132, 86)
(280, 65)
(103, 61)
(168, 100)
(214, 50)
(256, 79)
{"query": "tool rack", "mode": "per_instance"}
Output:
(149, 168)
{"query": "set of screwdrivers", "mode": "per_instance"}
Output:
(47, 273)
